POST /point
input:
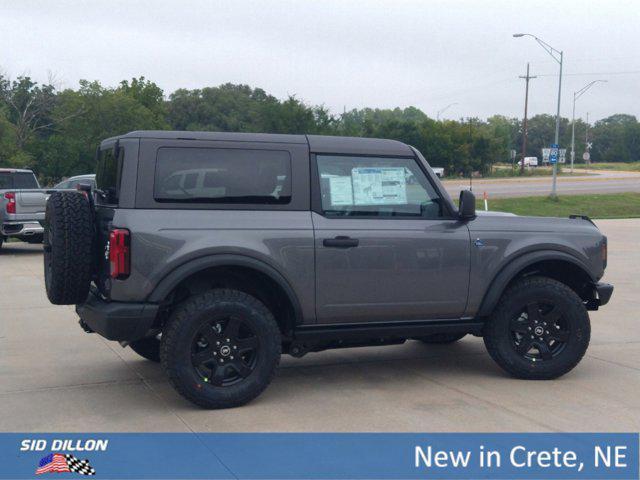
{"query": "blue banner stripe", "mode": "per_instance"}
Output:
(331, 456)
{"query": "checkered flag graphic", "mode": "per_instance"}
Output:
(79, 466)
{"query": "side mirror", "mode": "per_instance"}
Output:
(467, 205)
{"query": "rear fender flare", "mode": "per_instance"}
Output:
(184, 271)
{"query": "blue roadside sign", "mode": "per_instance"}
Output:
(553, 154)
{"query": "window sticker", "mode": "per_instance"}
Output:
(379, 186)
(341, 191)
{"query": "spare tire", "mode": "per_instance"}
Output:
(69, 239)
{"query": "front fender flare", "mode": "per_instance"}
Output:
(169, 282)
(510, 270)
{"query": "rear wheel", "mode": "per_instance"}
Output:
(441, 338)
(148, 348)
(221, 349)
(539, 330)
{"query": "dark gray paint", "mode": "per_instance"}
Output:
(506, 238)
(162, 240)
(401, 270)
(413, 269)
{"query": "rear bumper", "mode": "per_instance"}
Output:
(121, 321)
(21, 229)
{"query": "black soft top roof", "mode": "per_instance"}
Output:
(317, 143)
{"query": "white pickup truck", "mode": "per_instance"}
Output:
(22, 205)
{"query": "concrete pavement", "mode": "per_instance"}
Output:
(54, 377)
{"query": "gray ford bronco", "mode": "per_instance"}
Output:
(214, 253)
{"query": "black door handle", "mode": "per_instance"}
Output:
(341, 242)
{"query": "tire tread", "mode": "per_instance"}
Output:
(184, 313)
(494, 330)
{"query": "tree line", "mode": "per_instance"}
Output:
(55, 132)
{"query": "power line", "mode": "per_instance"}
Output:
(624, 72)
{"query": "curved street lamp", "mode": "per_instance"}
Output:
(576, 95)
(442, 110)
(557, 56)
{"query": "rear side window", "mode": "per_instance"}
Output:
(18, 180)
(108, 172)
(217, 175)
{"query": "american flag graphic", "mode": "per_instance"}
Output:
(61, 463)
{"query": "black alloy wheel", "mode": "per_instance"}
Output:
(225, 350)
(221, 348)
(540, 332)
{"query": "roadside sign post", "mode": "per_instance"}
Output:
(553, 156)
(545, 155)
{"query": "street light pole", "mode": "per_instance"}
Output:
(557, 55)
(576, 95)
(557, 141)
(442, 110)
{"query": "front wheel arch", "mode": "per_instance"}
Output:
(558, 265)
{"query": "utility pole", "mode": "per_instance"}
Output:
(558, 56)
(524, 127)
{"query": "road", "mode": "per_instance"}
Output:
(57, 378)
(600, 182)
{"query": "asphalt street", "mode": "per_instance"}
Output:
(601, 182)
(55, 377)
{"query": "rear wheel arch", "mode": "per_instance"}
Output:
(239, 272)
(558, 265)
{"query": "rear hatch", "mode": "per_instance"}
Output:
(106, 197)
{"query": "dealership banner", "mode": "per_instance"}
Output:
(319, 455)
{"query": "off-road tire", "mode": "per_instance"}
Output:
(182, 329)
(148, 347)
(537, 290)
(69, 240)
(441, 338)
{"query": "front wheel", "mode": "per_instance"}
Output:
(539, 330)
(221, 348)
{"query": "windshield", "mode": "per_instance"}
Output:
(18, 180)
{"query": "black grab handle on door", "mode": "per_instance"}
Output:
(341, 242)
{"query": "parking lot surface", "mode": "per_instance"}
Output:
(54, 377)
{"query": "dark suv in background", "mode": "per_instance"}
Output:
(216, 252)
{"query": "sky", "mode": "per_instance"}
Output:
(342, 54)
